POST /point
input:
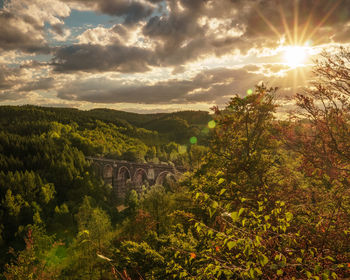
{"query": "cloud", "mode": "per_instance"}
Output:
(8, 76)
(132, 10)
(298, 21)
(11, 95)
(192, 30)
(22, 23)
(195, 28)
(107, 36)
(20, 82)
(97, 58)
(15, 34)
(40, 84)
(214, 85)
(208, 49)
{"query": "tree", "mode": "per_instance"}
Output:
(241, 229)
(93, 239)
(244, 146)
(326, 106)
(42, 258)
(321, 137)
(158, 204)
(231, 231)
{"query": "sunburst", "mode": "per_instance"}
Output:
(295, 56)
(296, 36)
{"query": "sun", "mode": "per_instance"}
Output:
(295, 55)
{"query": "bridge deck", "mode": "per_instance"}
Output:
(148, 164)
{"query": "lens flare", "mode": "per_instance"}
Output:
(193, 140)
(211, 124)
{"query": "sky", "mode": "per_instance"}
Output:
(151, 56)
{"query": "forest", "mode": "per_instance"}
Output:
(263, 198)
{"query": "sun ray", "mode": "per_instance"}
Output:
(295, 35)
(269, 24)
(296, 21)
(308, 21)
(322, 21)
(285, 24)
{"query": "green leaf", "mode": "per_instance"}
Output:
(257, 238)
(223, 191)
(215, 204)
(197, 195)
(258, 271)
(289, 216)
(221, 180)
(251, 273)
(240, 212)
(263, 260)
(211, 213)
(85, 231)
(231, 244)
(234, 216)
(279, 272)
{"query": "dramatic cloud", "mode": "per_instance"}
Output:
(9, 76)
(17, 34)
(22, 23)
(154, 52)
(94, 58)
(214, 85)
(192, 30)
(40, 84)
(17, 82)
(131, 10)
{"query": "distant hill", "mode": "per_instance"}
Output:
(176, 126)
(142, 120)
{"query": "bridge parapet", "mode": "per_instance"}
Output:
(119, 173)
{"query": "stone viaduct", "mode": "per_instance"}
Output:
(123, 174)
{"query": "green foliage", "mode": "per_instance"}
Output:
(42, 258)
(236, 225)
(140, 260)
(92, 241)
(43, 171)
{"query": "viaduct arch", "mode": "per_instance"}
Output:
(124, 174)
